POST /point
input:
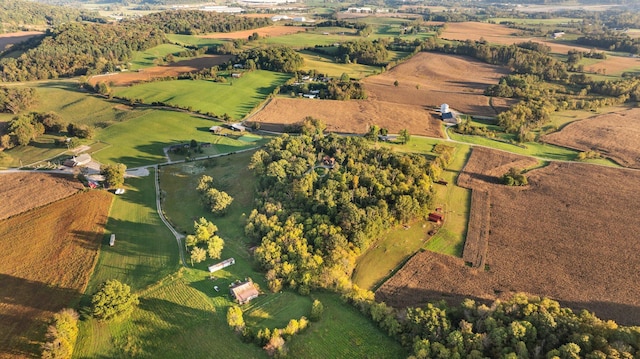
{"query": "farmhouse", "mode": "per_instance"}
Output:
(81, 160)
(225, 263)
(244, 292)
(215, 129)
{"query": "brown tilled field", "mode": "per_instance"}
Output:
(150, 73)
(349, 116)
(269, 31)
(21, 192)
(614, 135)
(431, 79)
(615, 65)
(571, 235)
(16, 37)
(46, 258)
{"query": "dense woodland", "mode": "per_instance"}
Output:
(323, 200)
(191, 22)
(19, 14)
(280, 59)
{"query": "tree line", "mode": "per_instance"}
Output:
(192, 22)
(17, 14)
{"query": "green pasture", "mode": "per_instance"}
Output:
(389, 252)
(147, 58)
(145, 250)
(75, 105)
(342, 333)
(193, 40)
(276, 310)
(237, 97)
(325, 64)
(41, 149)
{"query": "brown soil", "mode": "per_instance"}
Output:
(431, 79)
(563, 237)
(614, 135)
(175, 69)
(47, 256)
(614, 65)
(269, 31)
(349, 116)
(21, 192)
(16, 37)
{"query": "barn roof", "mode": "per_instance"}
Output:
(244, 292)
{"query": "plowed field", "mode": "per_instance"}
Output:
(23, 191)
(150, 73)
(571, 235)
(46, 258)
(349, 116)
(16, 37)
(269, 31)
(614, 135)
(431, 79)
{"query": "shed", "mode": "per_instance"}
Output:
(449, 117)
(215, 129)
(225, 263)
(244, 292)
(112, 240)
(236, 75)
(436, 217)
(237, 127)
(80, 160)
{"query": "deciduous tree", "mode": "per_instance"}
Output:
(112, 299)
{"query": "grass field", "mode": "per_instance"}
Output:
(343, 333)
(311, 38)
(390, 251)
(47, 255)
(235, 98)
(140, 142)
(142, 59)
(326, 65)
(193, 40)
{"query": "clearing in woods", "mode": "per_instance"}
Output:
(615, 135)
(560, 237)
(269, 31)
(48, 268)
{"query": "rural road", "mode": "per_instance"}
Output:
(164, 220)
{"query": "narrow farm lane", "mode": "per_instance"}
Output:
(164, 220)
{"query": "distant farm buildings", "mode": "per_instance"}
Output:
(244, 292)
(436, 217)
(215, 129)
(447, 115)
(80, 160)
(225, 263)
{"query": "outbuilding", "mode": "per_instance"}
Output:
(225, 263)
(244, 292)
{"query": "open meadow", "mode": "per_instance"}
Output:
(560, 237)
(615, 135)
(21, 192)
(47, 255)
(236, 98)
(267, 31)
(431, 79)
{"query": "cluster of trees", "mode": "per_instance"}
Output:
(271, 340)
(311, 227)
(337, 89)
(14, 14)
(466, 128)
(518, 86)
(611, 40)
(16, 99)
(215, 200)
(363, 52)
(193, 22)
(74, 49)
(61, 335)
(113, 174)
(112, 300)
(515, 177)
(25, 128)
(278, 58)
(204, 241)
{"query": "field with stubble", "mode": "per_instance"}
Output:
(564, 236)
(46, 258)
(615, 135)
(21, 192)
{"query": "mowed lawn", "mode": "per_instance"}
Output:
(343, 332)
(140, 142)
(237, 97)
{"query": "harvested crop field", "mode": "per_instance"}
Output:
(431, 79)
(16, 37)
(21, 192)
(564, 236)
(47, 256)
(501, 34)
(615, 65)
(172, 70)
(615, 135)
(269, 31)
(348, 116)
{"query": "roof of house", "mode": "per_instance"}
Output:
(244, 292)
(215, 128)
(238, 127)
(447, 115)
